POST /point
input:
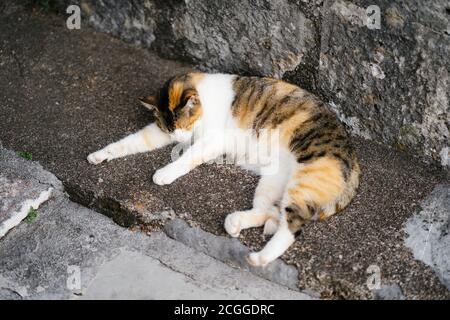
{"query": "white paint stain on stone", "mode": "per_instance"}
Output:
(350, 12)
(428, 233)
(18, 216)
(436, 116)
(376, 71)
(352, 122)
(445, 157)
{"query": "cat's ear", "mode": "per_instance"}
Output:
(192, 101)
(148, 102)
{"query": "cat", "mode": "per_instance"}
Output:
(316, 172)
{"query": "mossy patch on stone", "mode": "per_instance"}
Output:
(25, 155)
(32, 215)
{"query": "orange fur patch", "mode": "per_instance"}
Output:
(287, 127)
(175, 93)
(319, 182)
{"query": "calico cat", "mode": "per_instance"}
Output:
(317, 172)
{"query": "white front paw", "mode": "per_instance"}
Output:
(98, 157)
(166, 175)
(233, 224)
(256, 259)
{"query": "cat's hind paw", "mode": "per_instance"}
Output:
(233, 224)
(256, 259)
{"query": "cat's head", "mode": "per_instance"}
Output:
(176, 106)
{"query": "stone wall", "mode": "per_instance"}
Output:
(389, 84)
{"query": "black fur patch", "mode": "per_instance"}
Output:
(163, 106)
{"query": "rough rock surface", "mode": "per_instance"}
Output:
(270, 37)
(23, 186)
(389, 84)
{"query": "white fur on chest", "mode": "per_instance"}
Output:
(219, 127)
(216, 97)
